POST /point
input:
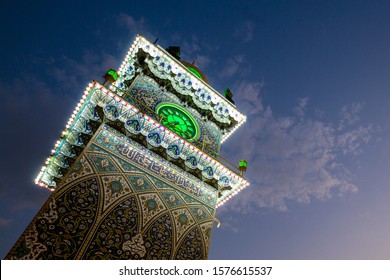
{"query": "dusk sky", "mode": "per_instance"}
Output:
(313, 78)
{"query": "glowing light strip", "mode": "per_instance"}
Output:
(227, 197)
(63, 136)
(158, 51)
(226, 136)
(173, 168)
(238, 186)
(215, 93)
(133, 49)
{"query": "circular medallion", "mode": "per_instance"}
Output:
(178, 120)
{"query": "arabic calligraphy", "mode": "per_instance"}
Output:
(159, 169)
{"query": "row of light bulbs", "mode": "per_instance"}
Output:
(63, 135)
(226, 136)
(141, 41)
(130, 107)
(145, 41)
(232, 194)
(172, 168)
(129, 55)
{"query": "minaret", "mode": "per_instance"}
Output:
(136, 174)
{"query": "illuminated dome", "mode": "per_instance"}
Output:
(195, 70)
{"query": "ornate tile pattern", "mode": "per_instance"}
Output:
(183, 221)
(125, 166)
(171, 199)
(60, 228)
(206, 232)
(117, 199)
(81, 168)
(191, 246)
(158, 239)
(116, 228)
(151, 206)
(115, 206)
(200, 213)
(149, 95)
(114, 188)
(131, 121)
(135, 246)
(103, 164)
(140, 183)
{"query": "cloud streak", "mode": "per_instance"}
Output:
(73, 74)
(291, 158)
(232, 67)
(130, 23)
(349, 115)
(245, 31)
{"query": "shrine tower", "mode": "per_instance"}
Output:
(136, 173)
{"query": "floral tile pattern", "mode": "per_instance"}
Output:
(112, 207)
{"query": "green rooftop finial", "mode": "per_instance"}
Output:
(110, 76)
(242, 166)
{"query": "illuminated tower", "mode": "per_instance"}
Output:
(136, 174)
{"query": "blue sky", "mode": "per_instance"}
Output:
(311, 76)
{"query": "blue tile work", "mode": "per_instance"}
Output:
(150, 163)
(119, 202)
(146, 95)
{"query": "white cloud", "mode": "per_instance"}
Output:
(192, 47)
(130, 23)
(300, 109)
(202, 61)
(290, 158)
(350, 142)
(230, 223)
(349, 114)
(249, 96)
(194, 50)
(72, 73)
(233, 65)
(245, 31)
